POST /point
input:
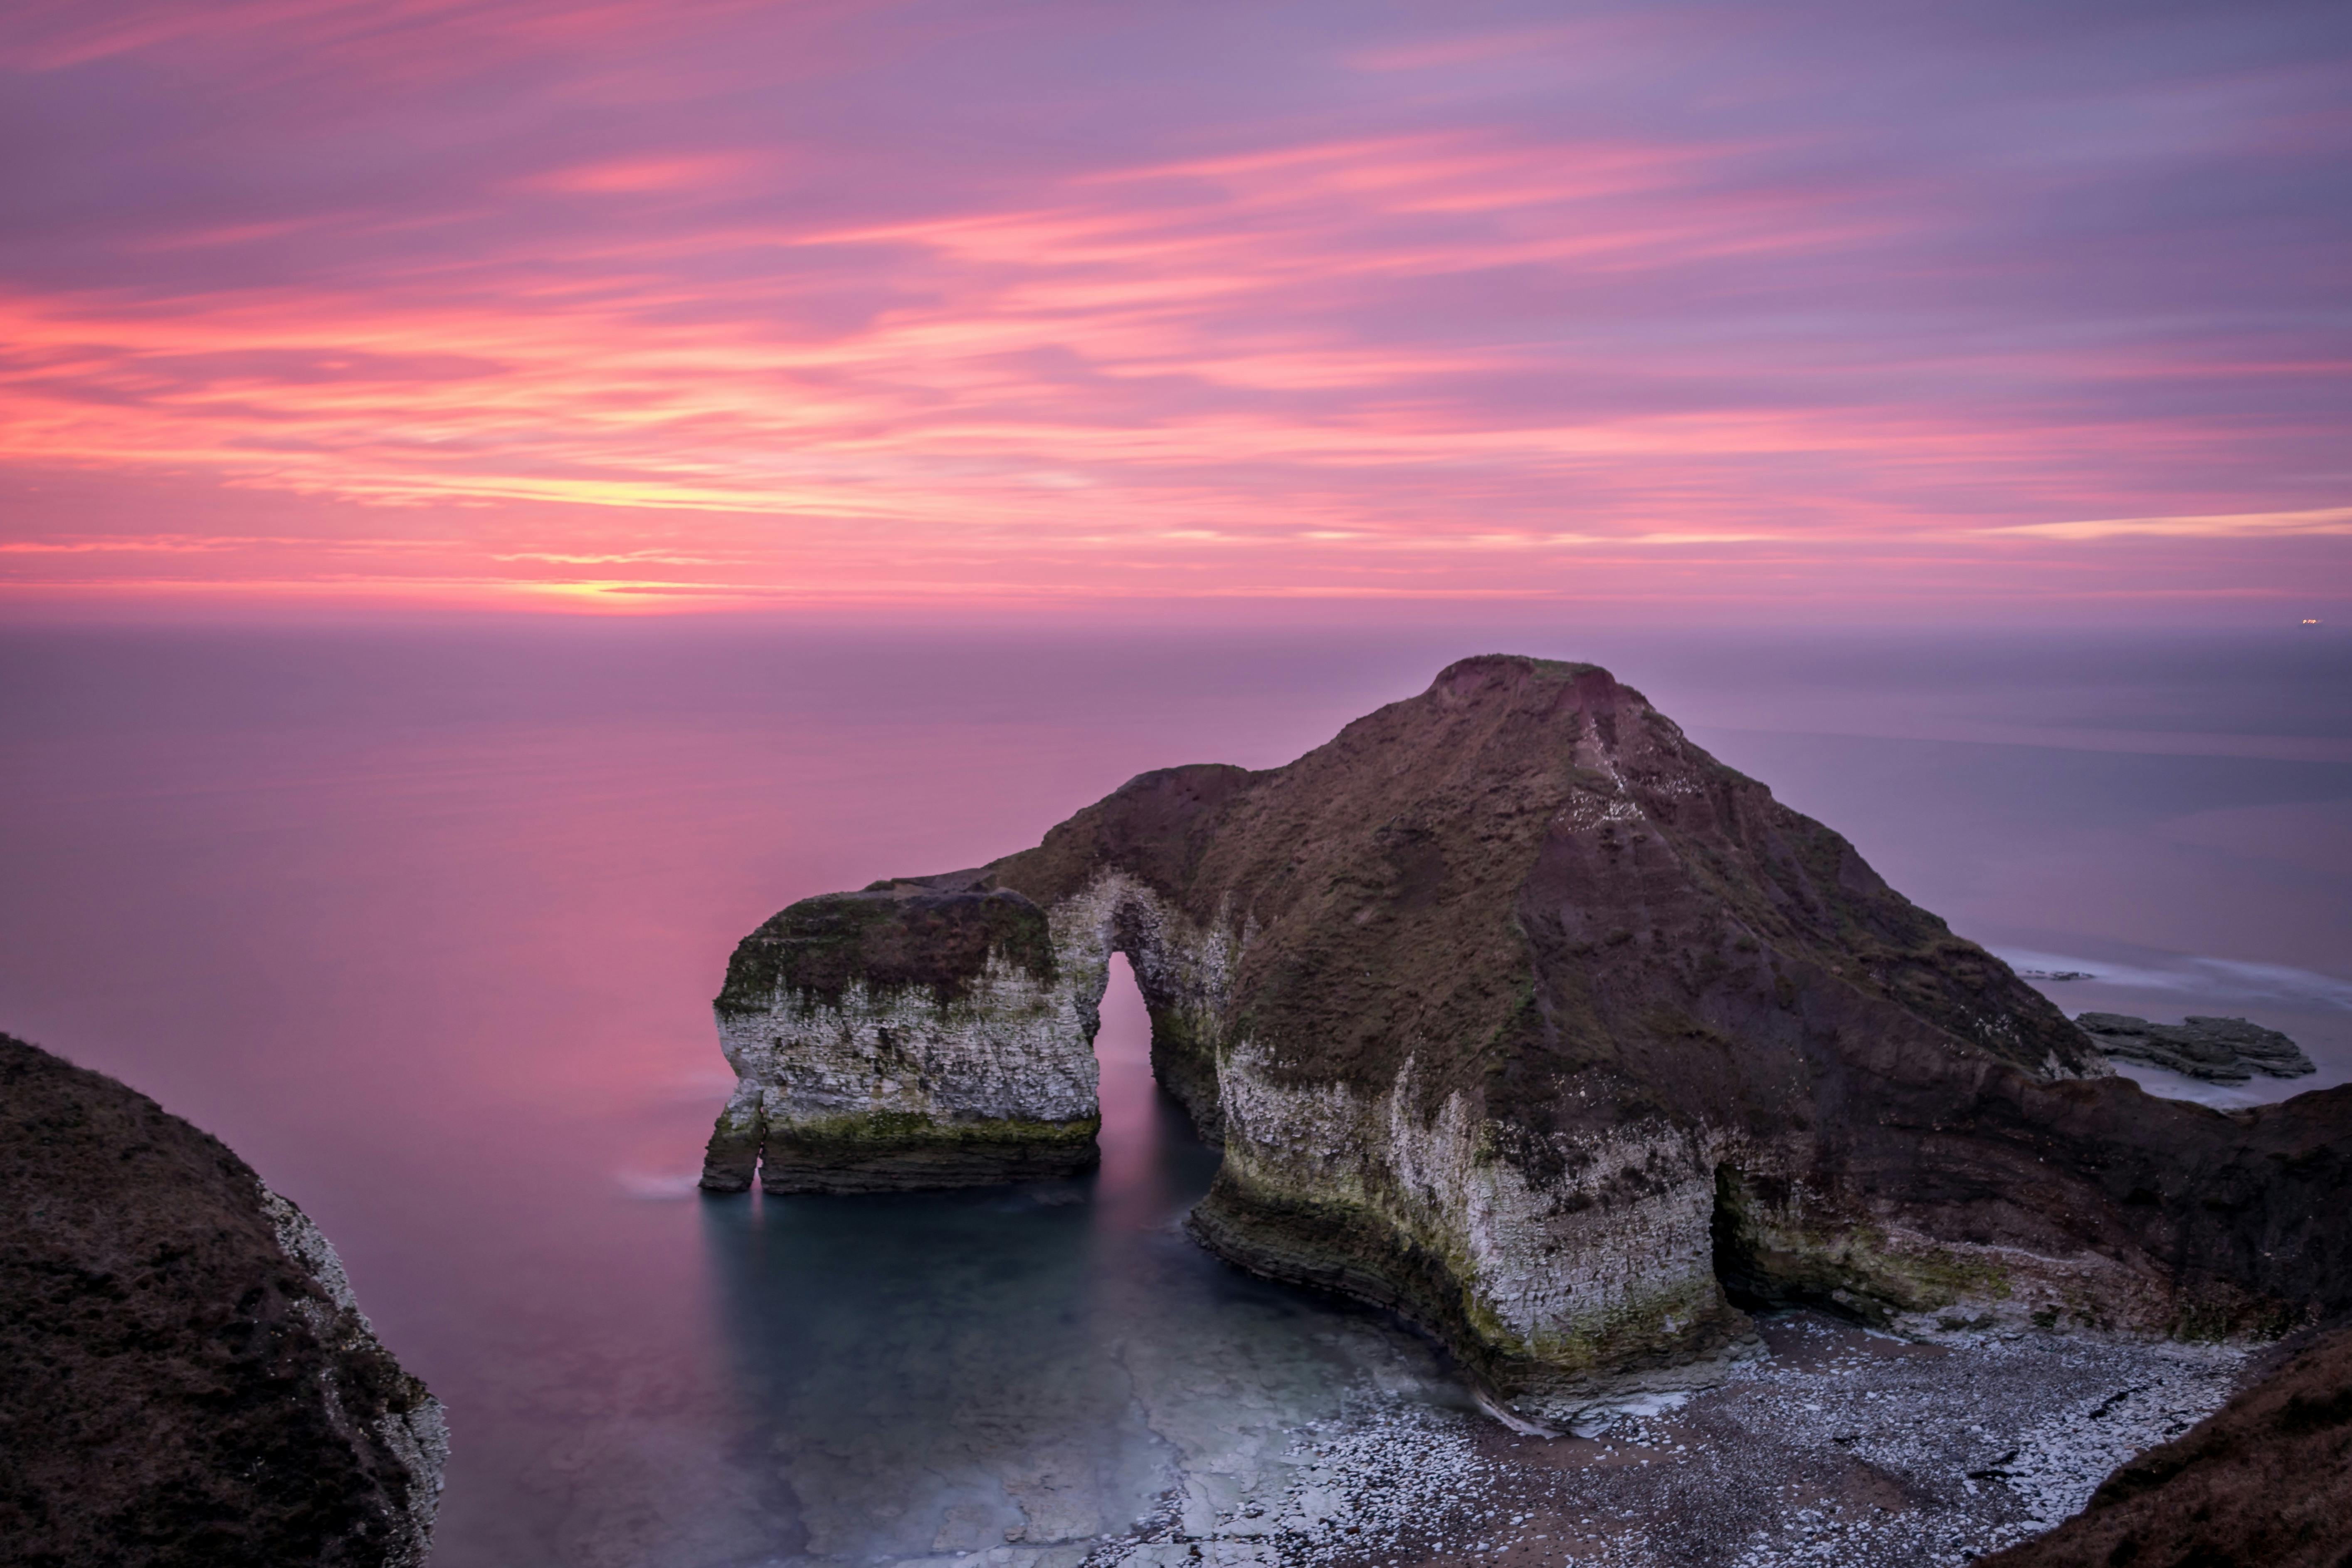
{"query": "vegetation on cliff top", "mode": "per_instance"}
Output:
(889, 938)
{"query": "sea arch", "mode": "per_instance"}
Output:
(939, 1032)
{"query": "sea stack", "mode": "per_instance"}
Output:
(908, 1036)
(1517, 1012)
(188, 1377)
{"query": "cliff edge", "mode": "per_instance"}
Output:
(1518, 1013)
(189, 1380)
(2264, 1482)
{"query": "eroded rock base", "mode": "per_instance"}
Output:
(1335, 1249)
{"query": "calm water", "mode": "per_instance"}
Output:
(425, 925)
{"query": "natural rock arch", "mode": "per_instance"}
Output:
(936, 1032)
(1517, 1012)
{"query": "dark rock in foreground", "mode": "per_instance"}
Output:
(1520, 1013)
(184, 1377)
(2220, 1050)
(2265, 1482)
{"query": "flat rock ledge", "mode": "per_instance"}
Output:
(2219, 1051)
(188, 1379)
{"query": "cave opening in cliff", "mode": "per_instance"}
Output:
(1738, 1264)
(1754, 1276)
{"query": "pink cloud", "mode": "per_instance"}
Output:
(633, 176)
(663, 337)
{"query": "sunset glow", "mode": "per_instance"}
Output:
(717, 305)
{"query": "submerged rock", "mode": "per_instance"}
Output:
(2221, 1050)
(1520, 1013)
(189, 1380)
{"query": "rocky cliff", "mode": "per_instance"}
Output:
(189, 1380)
(1518, 1012)
(903, 1036)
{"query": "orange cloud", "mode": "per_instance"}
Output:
(2324, 521)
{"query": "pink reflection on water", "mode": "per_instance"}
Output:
(427, 932)
(1130, 1112)
(1153, 1163)
(447, 984)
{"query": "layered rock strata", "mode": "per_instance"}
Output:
(1518, 1013)
(189, 1380)
(2220, 1050)
(906, 1036)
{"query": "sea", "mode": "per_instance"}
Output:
(425, 920)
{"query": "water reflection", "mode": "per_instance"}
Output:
(425, 927)
(938, 1373)
(928, 1372)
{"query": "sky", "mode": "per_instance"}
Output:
(1823, 311)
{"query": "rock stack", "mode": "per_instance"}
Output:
(1517, 1012)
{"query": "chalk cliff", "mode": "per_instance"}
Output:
(904, 1036)
(189, 1380)
(1517, 1012)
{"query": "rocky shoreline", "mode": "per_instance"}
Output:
(1516, 1013)
(2219, 1051)
(1838, 1447)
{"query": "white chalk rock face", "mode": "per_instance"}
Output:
(1570, 1291)
(906, 1036)
(1518, 1013)
(928, 1034)
(417, 1437)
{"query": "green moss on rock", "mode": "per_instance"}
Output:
(900, 1151)
(904, 1128)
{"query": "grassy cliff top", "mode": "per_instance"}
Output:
(891, 937)
(1525, 876)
